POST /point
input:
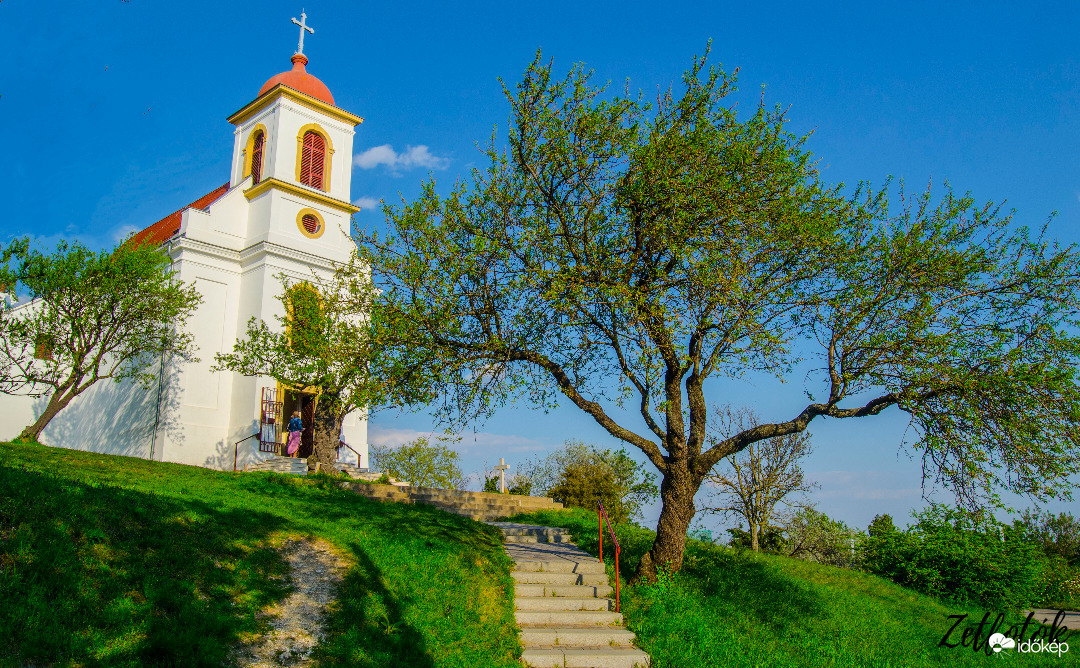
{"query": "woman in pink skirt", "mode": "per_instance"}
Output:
(296, 429)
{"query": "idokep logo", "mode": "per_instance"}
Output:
(999, 641)
(992, 638)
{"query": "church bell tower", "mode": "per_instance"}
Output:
(292, 158)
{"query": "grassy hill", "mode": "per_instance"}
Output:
(735, 608)
(113, 561)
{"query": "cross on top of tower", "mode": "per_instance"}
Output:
(303, 27)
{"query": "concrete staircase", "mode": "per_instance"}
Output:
(562, 604)
(481, 506)
(298, 466)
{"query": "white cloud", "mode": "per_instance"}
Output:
(864, 485)
(121, 232)
(481, 443)
(366, 203)
(412, 156)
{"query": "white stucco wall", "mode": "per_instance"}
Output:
(234, 253)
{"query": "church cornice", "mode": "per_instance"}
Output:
(292, 188)
(265, 248)
(281, 90)
(248, 255)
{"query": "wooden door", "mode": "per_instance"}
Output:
(307, 415)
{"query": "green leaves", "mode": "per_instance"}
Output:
(85, 316)
(615, 250)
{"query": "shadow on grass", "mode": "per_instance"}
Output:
(431, 618)
(97, 575)
(374, 633)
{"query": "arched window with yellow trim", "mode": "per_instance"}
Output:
(313, 160)
(257, 156)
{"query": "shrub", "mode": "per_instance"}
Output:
(579, 474)
(813, 536)
(420, 463)
(770, 541)
(516, 484)
(952, 555)
(1056, 535)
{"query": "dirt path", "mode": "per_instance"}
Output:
(297, 622)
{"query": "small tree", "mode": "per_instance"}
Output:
(1057, 535)
(580, 474)
(91, 316)
(324, 344)
(881, 525)
(420, 463)
(752, 483)
(814, 536)
(515, 484)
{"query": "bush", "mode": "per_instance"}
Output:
(1056, 535)
(812, 536)
(579, 475)
(770, 540)
(516, 484)
(420, 463)
(953, 556)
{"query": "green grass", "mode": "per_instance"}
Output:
(734, 608)
(114, 561)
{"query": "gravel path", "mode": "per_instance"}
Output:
(297, 622)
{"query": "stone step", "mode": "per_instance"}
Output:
(513, 529)
(482, 497)
(561, 566)
(574, 636)
(479, 506)
(568, 617)
(505, 508)
(562, 603)
(585, 657)
(536, 539)
(531, 590)
(554, 578)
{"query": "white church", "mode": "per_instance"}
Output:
(284, 211)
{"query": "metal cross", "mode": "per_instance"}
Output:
(303, 26)
(501, 468)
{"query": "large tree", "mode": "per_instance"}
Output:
(87, 316)
(323, 343)
(618, 250)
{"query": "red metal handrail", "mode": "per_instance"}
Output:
(359, 458)
(236, 447)
(601, 517)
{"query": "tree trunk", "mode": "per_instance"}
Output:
(755, 528)
(55, 405)
(677, 491)
(327, 436)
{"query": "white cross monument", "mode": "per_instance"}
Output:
(501, 468)
(303, 26)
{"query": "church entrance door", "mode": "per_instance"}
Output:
(305, 403)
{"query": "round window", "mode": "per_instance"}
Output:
(310, 223)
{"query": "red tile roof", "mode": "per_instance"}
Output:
(298, 79)
(167, 227)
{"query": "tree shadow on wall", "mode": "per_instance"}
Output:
(122, 418)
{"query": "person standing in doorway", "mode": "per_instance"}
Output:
(296, 429)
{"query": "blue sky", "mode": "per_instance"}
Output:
(112, 115)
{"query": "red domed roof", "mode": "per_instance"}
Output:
(298, 79)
